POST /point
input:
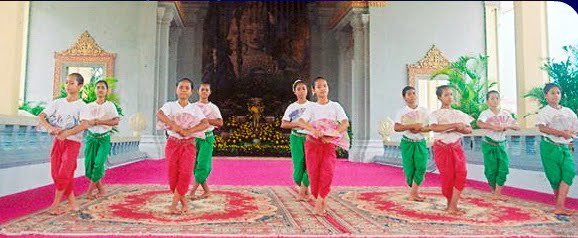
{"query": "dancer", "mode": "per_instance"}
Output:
(411, 120)
(101, 116)
(326, 124)
(297, 138)
(558, 125)
(450, 125)
(61, 119)
(496, 122)
(184, 121)
(205, 146)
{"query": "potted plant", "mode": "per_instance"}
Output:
(467, 77)
(565, 74)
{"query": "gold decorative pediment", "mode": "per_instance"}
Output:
(432, 61)
(85, 52)
(85, 45)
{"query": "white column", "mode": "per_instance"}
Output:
(152, 117)
(366, 86)
(363, 149)
(164, 55)
(492, 10)
(152, 142)
(175, 33)
(358, 87)
(342, 39)
(531, 50)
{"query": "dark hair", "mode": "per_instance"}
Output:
(102, 81)
(207, 84)
(317, 79)
(297, 82)
(440, 90)
(491, 92)
(549, 86)
(407, 88)
(79, 78)
(185, 79)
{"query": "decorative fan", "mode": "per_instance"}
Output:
(329, 128)
(206, 109)
(453, 116)
(184, 120)
(63, 122)
(294, 115)
(413, 118)
(501, 120)
(563, 123)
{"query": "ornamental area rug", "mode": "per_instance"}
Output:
(244, 211)
(375, 211)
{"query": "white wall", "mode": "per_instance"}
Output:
(125, 28)
(402, 32)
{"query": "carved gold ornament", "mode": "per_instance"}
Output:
(84, 51)
(432, 61)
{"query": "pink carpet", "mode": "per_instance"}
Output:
(242, 171)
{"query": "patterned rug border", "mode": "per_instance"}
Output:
(277, 236)
(334, 189)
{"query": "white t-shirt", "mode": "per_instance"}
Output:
(65, 115)
(408, 115)
(211, 111)
(105, 111)
(559, 119)
(503, 118)
(448, 116)
(331, 110)
(171, 109)
(294, 111)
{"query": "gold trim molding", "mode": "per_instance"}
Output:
(85, 50)
(344, 7)
(432, 61)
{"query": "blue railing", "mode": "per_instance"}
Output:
(523, 150)
(25, 145)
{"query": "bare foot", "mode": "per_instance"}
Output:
(319, 212)
(318, 207)
(416, 198)
(174, 211)
(194, 197)
(185, 210)
(101, 194)
(324, 207)
(55, 211)
(90, 196)
(456, 212)
(72, 209)
(564, 212)
(499, 198)
(302, 197)
(206, 195)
